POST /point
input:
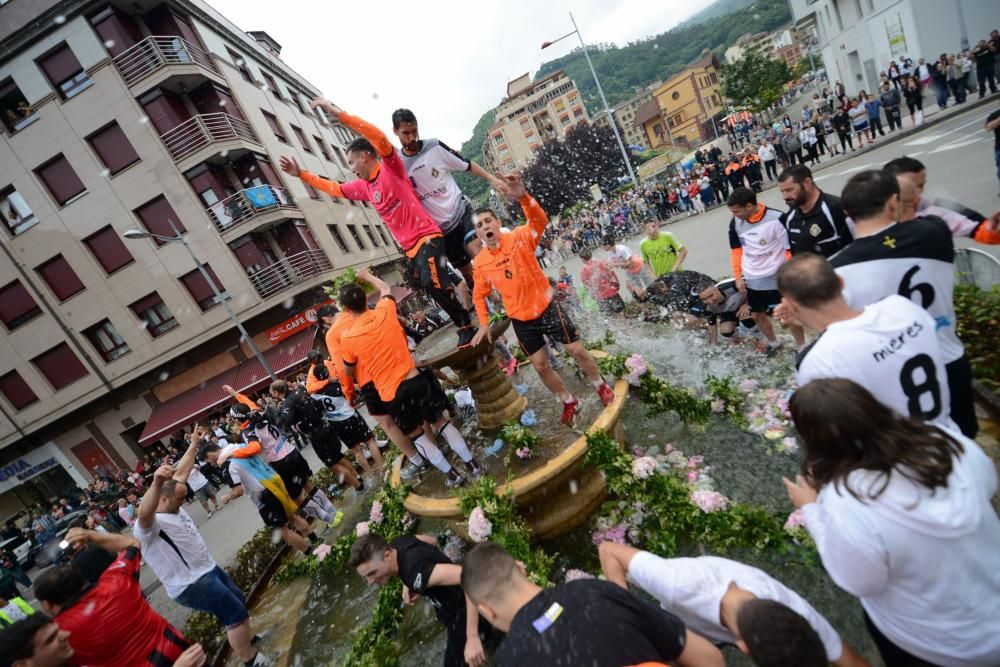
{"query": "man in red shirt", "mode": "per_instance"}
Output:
(383, 181)
(602, 283)
(109, 623)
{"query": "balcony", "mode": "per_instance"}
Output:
(171, 62)
(290, 271)
(259, 204)
(220, 132)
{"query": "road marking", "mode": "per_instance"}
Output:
(822, 176)
(924, 140)
(916, 153)
(854, 169)
(958, 144)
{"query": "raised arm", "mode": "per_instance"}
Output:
(110, 541)
(479, 172)
(376, 136)
(383, 287)
(184, 466)
(290, 166)
(147, 508)
(237, 396)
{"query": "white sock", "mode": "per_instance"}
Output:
(431, 452)
(457, 443)
(567, 398)
(597, 383)
(416, 459)
(313, 509)
(324, 502)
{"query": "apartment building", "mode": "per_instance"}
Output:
(533, 113)
(683, 111)
(166, 118)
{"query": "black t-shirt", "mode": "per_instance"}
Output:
(92, 561)
(593, 623)
(677, 291)
(416, 560)
(996, 131)
(823, 230)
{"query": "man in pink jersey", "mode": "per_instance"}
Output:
(382, 180)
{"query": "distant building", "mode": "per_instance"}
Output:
(625, 117)
(760, 41)
(859, 38)
(532, 114)
(683, 110)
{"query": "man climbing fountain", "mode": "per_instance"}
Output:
(507, 264)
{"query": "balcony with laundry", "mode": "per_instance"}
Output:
(284, 256)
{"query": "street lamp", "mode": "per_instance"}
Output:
(133, 234)
(604, 101)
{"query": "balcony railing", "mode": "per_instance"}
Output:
(249, 203)
(194, 134)
(152, 53)
(289, 271)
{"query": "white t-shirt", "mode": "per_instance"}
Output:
(430, 171)
(251, 485)
(892, 349)
(620, 253)
(175, 550)
(196, 480)
(692, 588)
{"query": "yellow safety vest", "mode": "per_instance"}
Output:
(24, 606)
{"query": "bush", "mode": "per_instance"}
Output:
(978, 314)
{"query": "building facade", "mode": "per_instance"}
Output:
(683, 110)
(859, 38)
(532, 114)
(164, 118)
(624, 115)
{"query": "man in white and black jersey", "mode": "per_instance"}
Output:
(429, 164)
(758, 243)
(961, 220)
(913, 259)
(815, 219)
(889, 347)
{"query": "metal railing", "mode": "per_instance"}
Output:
(249, 203)
(289, 271)
(152, 53)
(199, 131)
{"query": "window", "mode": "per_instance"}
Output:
(322, 148)
(302, 139)
(60, 179)
(155, 316)
(371, 235)
(16, 390)
(106, 340)
(108, 249)
(15, 112)
(156, 217)
(60, 277)
(241, 64)
(340, 155)
(272, 121)
(17, 215)
(564, 119)
(497, 139)
(17, 306)
(382, 234)
(298, 101)
(113, 148)
(64, 71)
(339, 238)
(577, 112)
(310, 190)
(201, 290)
(60, 366)
(271, 85)
(353, 229)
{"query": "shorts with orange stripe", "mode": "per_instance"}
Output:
(553, 322)
(429, 270)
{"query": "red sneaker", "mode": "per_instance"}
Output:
(569, 411)
(606, 393)
(510, 368)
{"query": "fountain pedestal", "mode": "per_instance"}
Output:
(496, 399)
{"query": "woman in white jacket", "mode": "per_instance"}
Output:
(903, 520)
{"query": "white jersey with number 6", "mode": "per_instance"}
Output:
(891, 350)
(914, 260)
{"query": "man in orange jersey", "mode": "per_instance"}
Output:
(507, 264)
(414, 398)
(382, 180)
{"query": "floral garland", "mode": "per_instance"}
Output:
(495, 518)
(662, 503)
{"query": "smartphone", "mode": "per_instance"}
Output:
(64, 545)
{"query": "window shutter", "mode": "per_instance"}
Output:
(60, 366)
(60, 277)
(154, 216)
(16, 305)
(60, 179)
(16, 390)
(108, 249)
(114, 148)
(60, 65)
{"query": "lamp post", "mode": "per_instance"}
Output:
(178, 238)
(600, 91)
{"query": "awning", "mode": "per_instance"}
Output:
(198, 402)
(400, 294)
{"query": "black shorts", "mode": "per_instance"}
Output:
(763, 301)
(294, 472)
(553, 322)
(272, 511)
(419, 399)
(611, 306)
(454, 240)
(963, 400)
(376, 406)
(327, 444)
(426, 267)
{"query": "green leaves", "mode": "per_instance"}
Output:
(978, 315)
(755, 80)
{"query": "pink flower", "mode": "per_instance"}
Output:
(523, 453)
(692, 476)
(576, 575)
(709, 501)
(362, 528)
(790, 444)
(795, 519)
(718, 405)
(748, 386)
(636, 364)
(376, 514)
(643, 467)
(321, 552)
(696, 461)
(480, 527)
(612, 534)
(669, 448)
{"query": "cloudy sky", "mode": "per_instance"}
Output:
(447, 60)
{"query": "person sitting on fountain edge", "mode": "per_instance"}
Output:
(382, 180)
(507, 264)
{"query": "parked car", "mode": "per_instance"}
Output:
(20, 548)
(50, 553)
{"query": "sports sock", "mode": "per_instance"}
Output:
(457, 443)
(431, 452)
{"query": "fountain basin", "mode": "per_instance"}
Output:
(555, 497)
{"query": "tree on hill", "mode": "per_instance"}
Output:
(755, 80)
(474, 188)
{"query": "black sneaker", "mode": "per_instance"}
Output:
(474, 470)
(465, 336)
(454, 479)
